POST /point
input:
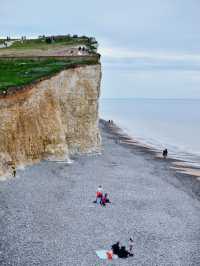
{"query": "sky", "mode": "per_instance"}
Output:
(150, 49)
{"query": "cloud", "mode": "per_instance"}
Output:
(126, 59)
(123, 53)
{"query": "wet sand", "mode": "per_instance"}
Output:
(47, 216)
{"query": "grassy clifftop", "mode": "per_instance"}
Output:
(19, 72)
(49, 42)
(25, 61)
(52, 44)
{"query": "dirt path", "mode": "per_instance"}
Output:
(59, 50)
(47, 216)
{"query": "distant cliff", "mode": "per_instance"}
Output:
(51, 119)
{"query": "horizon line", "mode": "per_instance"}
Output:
(147, 98)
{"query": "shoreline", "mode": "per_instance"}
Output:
(188, 176)
(178, 165)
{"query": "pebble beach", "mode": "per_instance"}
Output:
(47, 214)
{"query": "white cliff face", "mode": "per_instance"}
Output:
(51, 119)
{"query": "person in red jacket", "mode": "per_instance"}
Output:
(99, 194)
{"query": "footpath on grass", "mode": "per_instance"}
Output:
(47, 214)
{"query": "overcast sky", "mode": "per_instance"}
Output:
(150, 48)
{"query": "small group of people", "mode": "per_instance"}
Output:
(121, 251)
(101, 198)
(110, 122)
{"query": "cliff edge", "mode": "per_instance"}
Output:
(52, 119)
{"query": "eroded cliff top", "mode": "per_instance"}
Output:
(23, 61)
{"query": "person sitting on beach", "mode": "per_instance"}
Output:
(123, 253)
(105, 199)
(99, 194)
(165, 153)
(115, 248)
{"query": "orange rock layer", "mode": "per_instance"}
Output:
(51, 119)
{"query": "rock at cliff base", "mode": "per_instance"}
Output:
(5, 164)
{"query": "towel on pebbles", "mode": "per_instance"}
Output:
(102, 254)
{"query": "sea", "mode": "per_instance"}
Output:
(159, 123)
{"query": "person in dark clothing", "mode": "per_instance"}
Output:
(13, 171)
(165, 153)
(104, 199)
(115, 248)
(123, 253)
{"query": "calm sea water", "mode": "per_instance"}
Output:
(160, 123)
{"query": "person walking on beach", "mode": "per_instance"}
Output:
(165, 153)
(13, 170)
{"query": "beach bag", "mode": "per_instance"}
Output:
(109, 254)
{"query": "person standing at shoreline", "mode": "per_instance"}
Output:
(165, 153)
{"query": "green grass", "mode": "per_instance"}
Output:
(2, 41)
(19, 72)
(16, 72)
(41, 43)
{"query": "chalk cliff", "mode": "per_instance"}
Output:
(53, 118)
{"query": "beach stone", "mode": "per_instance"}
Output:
(5, 163)
(48, 218)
